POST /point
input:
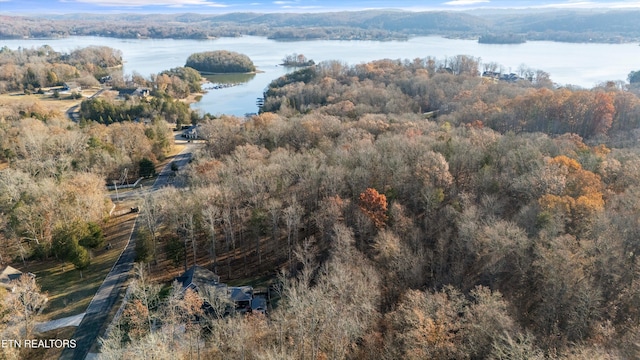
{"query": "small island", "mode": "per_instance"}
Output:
(297, 60)
(502, 39)
(220, 62)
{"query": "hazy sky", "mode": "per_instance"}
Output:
(9, 7)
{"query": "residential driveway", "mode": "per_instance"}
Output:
(59, 323)
(96, 315)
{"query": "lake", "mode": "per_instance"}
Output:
(583, 65)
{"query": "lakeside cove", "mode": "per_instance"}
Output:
(578, 64)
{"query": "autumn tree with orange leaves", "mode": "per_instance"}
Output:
(374, 205)
(580, 194)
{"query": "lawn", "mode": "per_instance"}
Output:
(68, 292)
(65, 333)
(48, 102)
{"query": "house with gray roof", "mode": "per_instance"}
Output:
(7, 275)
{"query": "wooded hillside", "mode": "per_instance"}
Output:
(405, 237)
(31, 69)
(397, 209)
(596, 25)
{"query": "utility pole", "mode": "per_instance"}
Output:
(115, 184)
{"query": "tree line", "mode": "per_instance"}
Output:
(54, 183)
(453, 89)
(159, 108)
(570, 26)
(31, 69)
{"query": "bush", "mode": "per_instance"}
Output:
(175, 250)
(143, 245)
(93, 238)
(146, 167)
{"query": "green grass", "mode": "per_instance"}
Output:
(69, 294)
(65, 333)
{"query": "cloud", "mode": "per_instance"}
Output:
(465, 2)
(309, 7)
(580, 4)
(171, 3)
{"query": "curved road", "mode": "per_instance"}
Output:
(98, 310)
(71, 112)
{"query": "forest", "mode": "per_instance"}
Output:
(34, 68)
(565, 25)
(399, 209)
(396, 236)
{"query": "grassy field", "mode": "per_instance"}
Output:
(68, 292)
(65, 333)
(47, 102)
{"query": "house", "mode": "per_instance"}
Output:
(197, 277)
(71, 87)
(141, 92)
(241, 297)
(7, 275)
(106, 80)
(191, 133)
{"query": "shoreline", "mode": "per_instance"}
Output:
(231, 73)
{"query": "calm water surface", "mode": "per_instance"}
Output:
(578, 64)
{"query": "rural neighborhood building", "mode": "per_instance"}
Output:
(71, 86)
(191, 133)
(141, 92)
(7, 275)
(197, 277)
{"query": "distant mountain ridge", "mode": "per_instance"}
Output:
(564, 25)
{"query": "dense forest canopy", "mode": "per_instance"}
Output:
(404, 237)
(399, 209)
(453, 89)
(220, 61)
(558, 25)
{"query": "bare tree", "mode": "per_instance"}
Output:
(152, 212)
(212, 215)
(145, 291)
(292, 216)
(26, 301)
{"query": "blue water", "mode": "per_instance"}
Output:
(584, 65)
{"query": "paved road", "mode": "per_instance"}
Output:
(96, 315)
(71, 112)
